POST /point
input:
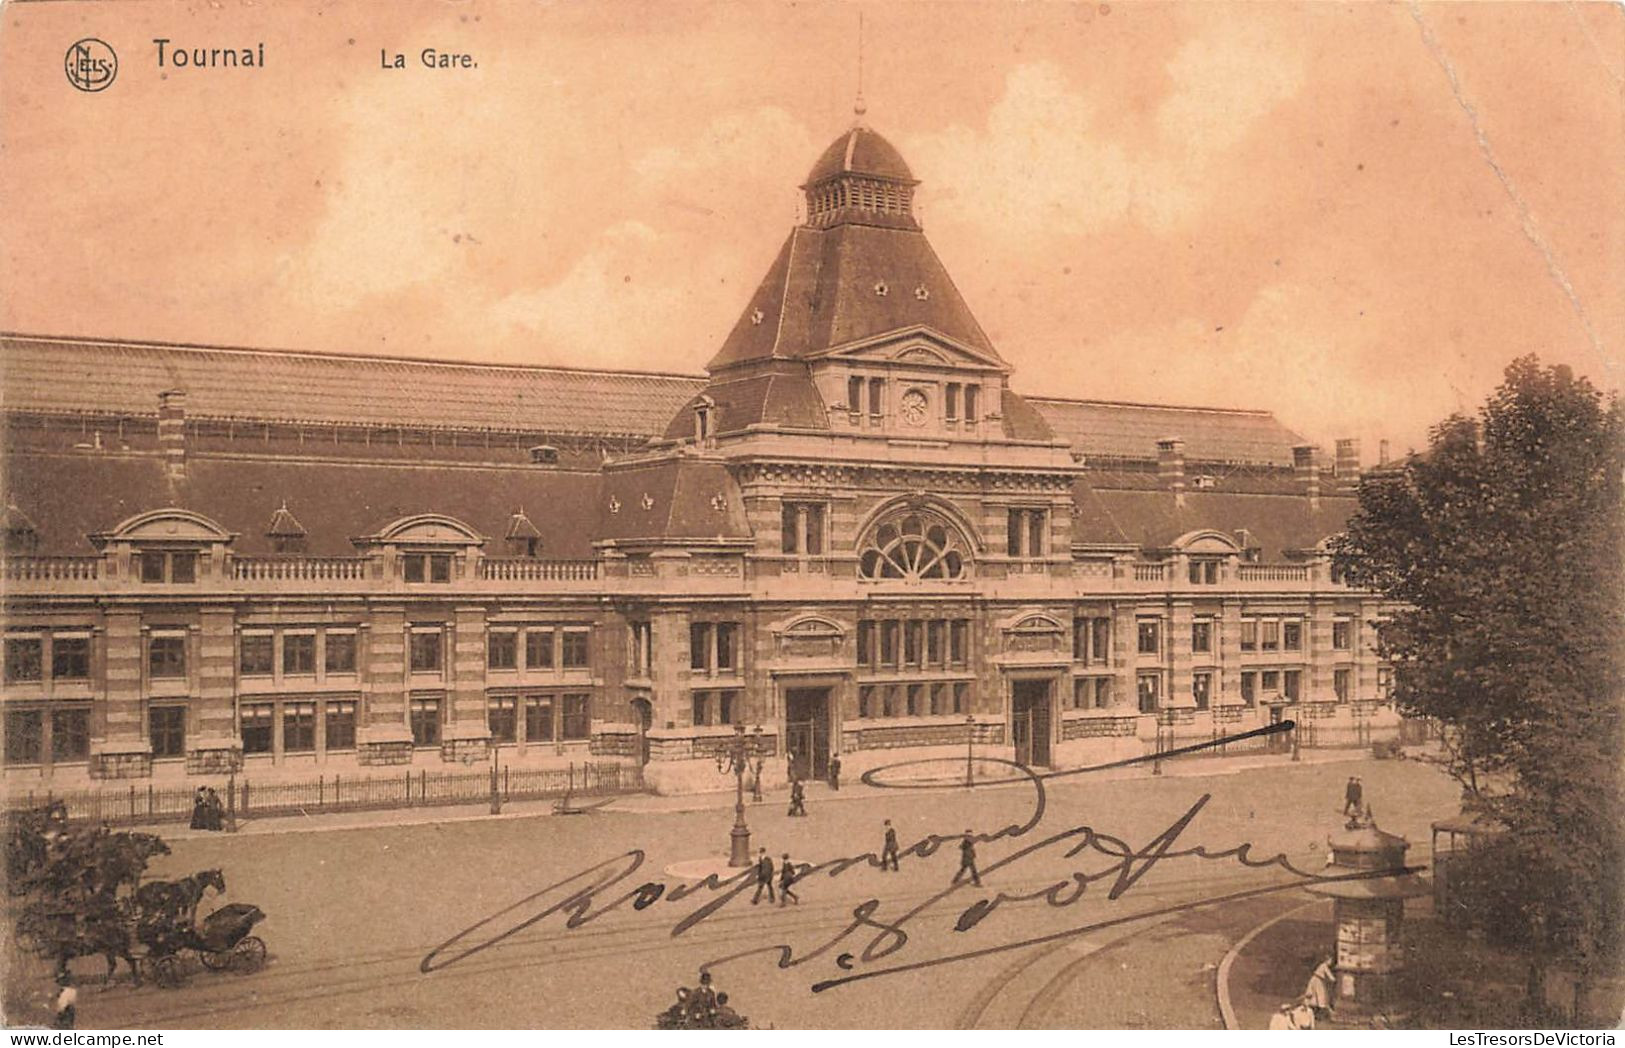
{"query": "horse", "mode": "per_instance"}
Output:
(102, 926)
(176, 902)
(29, 836)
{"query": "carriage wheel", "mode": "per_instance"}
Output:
(168, 973)
(216, 962)
(248, 955)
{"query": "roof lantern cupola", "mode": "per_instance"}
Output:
(861, 179)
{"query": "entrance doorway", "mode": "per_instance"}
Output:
(806, 731)
(646, 718)
(1030, 721)
(1280, 742)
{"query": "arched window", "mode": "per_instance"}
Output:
(913, 544)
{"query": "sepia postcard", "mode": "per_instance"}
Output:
(812, 516)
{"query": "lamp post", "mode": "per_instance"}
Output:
(1297, 731)
(970, 740)
(496, 793)
(737, 760)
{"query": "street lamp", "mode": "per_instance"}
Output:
(970, 739)
(737, 760)
(496, 793)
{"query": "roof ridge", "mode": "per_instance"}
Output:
(1261, 412)
(201, 347)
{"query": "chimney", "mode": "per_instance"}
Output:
(1346, 468)
(172, 431)
(1382, 453)
(1307, 471)
(1171, 466)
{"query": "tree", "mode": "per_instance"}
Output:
(1502, 547)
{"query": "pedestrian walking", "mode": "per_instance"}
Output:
(764, 877)
(967, 860)
(756, 779)
(215, 812)
(888, 851)
(1318, 994)
(835, 772)
(200, 810)
(798, 798)
(787, 877)
(67, 1003)
(1353, 794)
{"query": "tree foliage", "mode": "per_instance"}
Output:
(1502, 546)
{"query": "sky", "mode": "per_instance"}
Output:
(1353, 216)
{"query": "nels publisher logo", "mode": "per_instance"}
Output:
(91, 65)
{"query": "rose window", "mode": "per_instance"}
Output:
(913, 544)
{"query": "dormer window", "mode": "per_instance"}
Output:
(522, 537)
(426, 567)
(21, 538)
(168, 565)
(287, 535)
(702, 420)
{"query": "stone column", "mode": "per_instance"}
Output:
(123, 751)
(467, 731)
(383, 736)
(215, 747)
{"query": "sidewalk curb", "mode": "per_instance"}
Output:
(1227, 1011)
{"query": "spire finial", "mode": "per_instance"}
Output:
(858, 106)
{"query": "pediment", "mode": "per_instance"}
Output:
(427, 529)
(919, 346)
(166, 525)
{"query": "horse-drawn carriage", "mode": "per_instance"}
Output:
(86, 895)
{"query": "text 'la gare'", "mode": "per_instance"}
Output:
(431, 59)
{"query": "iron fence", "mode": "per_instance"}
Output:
(148, 804)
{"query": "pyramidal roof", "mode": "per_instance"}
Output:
(858, 269)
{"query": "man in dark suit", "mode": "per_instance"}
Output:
(764, 877)
(888, 851)
(835, 772)
(798, 798)
(1353, 793)
(967, 860)
(787, 877)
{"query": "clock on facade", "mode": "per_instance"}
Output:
(913, 407)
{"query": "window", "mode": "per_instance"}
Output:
(701, 701)
(24, 658)
(1271, 681)
(340, 655)
(1272, 635)
(1025, 534)
(912, 545)
(256, 727)
(70, 734)
(1202, 636)
(950, 402)
(911, 643)
(1204, 572)
(727, 645)
(426, 645)
(1150, 688)
(866, 701)
(152, 567)
(727, 706)
(539, 649)
(934, 631)
(1150, 641)
(699, 645)
(961, 696)
(972, 395)
(877, 396)
(254, 658)
(1201, 689)
(574, 653)
(1100, 644)
(538, 718)
(340, 725)
(866, 644)
(501, 650)
(166, 656)
(183, 567)
(854, 395)
(427, 567)
(1292, 636)
(1340, 684)
(1103, 692)
(640, 647)
(958, 641)
(914, 693)
(298, 654)
(299, 727)
(24, 736)
(501, 717)
(1342, 634)
(888, 700)
(1291, 682)
(576, 720)
(166, 730)
(1249, 634)
(939, 699)
(1249, 688)
(70, 658)
(802, 526)
(425, 715)
(1083, 692)
(888, 643)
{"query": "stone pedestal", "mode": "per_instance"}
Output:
(384, 744)
(215, 755)
(121, 759)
